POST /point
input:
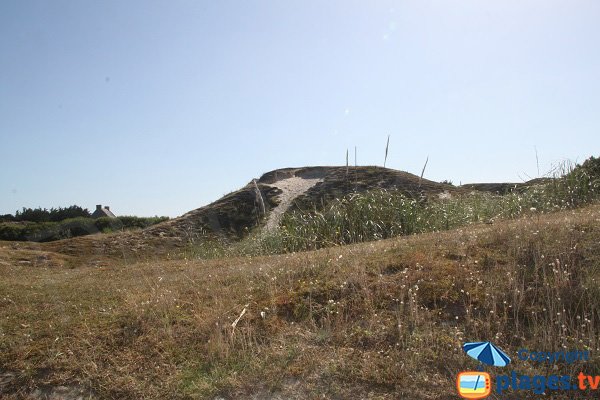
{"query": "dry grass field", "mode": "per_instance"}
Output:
(377, 320)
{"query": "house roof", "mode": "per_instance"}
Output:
(103, 212)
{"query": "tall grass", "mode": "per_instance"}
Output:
(530, 286)
(380, 214)
(325, 323)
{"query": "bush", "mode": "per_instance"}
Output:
(71, 227)
(30, 231)
(12, 231)
(7, 218)
(106, 224)
(76, 227)
(131, 222)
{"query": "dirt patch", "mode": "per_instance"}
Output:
(7, 391)
(60, 393)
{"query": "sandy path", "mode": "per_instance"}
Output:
(292, 188)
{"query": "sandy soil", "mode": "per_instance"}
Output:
(292, 188)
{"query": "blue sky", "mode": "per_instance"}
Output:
(159, 107)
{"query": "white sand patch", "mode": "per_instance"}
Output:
(444, 195)
(291, 188)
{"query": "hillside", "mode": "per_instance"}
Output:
(353, 322)
(236, 214)
(505, 187)
(220, 305)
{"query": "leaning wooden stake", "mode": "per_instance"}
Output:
(386, 150)
(423, 171)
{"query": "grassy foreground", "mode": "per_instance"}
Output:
(378, 320)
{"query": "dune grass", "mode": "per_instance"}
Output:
(350, 322)
(381, 214)
(359, 321)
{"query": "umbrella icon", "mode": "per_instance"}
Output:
(487, 353)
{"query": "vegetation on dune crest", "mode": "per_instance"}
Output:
(381, 214)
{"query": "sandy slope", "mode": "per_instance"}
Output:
(292, 188)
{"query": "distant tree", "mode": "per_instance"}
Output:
(60, 214)
(7, 218)
(52, 215)
(33, 215)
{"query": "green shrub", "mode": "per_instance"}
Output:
(43, 232)
(107, 224)
(7, 218)
(72, 227)
(10, 231)
(76, 227)
(47, 231)
(132, 222)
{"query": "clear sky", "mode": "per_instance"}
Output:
(159, 107)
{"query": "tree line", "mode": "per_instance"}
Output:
(43, 225)
(44, 215)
